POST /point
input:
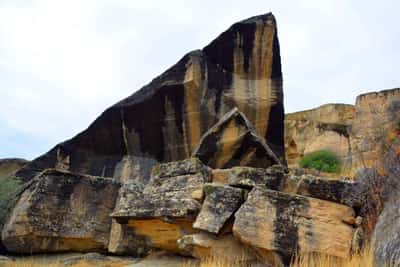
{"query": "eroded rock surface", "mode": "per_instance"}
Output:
(220, 203)
(246, 177)
(241, 68)
(62, 211)
(273, 223)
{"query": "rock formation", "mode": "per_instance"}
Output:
(356, 133)
(202, 174)
(241, 68)
(324, 128)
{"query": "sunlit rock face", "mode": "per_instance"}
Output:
(165, 120)
(324, 128)
(375, 126)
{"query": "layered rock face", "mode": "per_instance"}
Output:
(324, 128)
(241, 68)
(61, 211)
(358, 134)
(376, 124)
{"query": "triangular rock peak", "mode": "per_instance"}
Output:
(165, 120)
(233, 141)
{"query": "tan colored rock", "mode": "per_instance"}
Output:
(276, 223)
(376, 124)
(161, 234)
(233, 141)
(62, 211)
(203, 246)
(324, 128)
(164, 210)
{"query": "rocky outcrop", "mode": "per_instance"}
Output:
(164, 210)
(358, 134)
(62, 211)
(223, 215)
(234, 142)
(324, 128)
(241, 68)
(375, 126)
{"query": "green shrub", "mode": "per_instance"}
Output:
(9, 187)
(323, 160)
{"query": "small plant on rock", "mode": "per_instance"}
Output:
(323, 160)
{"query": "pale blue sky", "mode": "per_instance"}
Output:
(63, 62)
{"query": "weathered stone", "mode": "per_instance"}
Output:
(164, 210)
(279, 223)
(219, 205)
(164, 198)
(386, 236)
(376, 124)
(324, 128)
(340, 191)
(247, 177)
(241, 68)
(233, 141)
(62, 211)
(203, 246)
(178, 168)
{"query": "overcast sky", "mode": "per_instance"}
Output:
(63, 62)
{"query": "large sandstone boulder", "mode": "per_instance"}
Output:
(233, 141)
(241, 68)
(62, 211)
(282, 224)
(164, 210)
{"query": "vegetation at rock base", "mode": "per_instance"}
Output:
(364, 259)
(9, 186)
(323, 160)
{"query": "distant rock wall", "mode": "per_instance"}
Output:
(324, 128)
(357, 134)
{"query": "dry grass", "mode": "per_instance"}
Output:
(365, 259)
(46, 263)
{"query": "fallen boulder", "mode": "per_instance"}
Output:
(220, 203)
(233, 141)
(62, 211)
(282, 224)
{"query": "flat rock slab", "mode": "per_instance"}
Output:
(178, 168)
(233, 141)
(340, 191)
(219, 205)
(279, 223)
(247, 177)
(62, 211)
